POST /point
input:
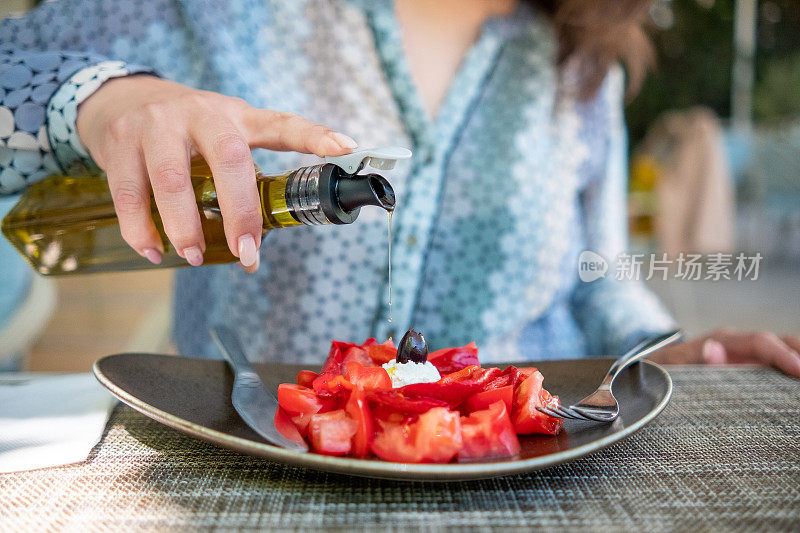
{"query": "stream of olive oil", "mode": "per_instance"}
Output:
(389, 233)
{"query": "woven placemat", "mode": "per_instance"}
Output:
(724, 455)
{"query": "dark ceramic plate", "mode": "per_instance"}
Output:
(194, 396)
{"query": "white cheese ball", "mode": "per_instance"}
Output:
(403, 374)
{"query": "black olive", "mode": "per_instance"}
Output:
(412, 348)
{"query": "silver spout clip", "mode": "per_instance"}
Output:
(378, 158)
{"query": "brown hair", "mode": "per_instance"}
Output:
(598, 33)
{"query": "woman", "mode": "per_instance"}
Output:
(513, 110)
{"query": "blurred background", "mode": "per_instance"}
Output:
(715, 157)
(715, 167)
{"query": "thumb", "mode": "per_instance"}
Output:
(714, 353)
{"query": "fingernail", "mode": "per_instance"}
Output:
(152, 255)
(713, 352)
(343, 140)
(193, 256)
(248, 255)
(250, 269)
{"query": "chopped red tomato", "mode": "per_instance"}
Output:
(306, 378)
(332, 403)
(526, 371)
(286, 426)
(488, 433)
(326, 383)
(382, 413)
(454, 359)
(504, 380)
(367, 378)
(454, 388)
(435, 437)
(382, 353)
(301, 422)
(396, 400)
(300, 403)
(350, 407)
(528, 395)
(359, 355)
(298, 399)
(485, 398)
(327, 386)
(515, 375)
(335, 361)
(332, 433)
(472, 375)
(358, 409)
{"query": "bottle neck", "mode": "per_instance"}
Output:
(326, 194)
(311, 196)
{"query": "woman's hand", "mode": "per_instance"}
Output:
(726, 346)
(143, 130)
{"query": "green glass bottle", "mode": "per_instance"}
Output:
(67, 225)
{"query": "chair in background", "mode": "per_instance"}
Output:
(681, 176)
(26, 302)
(770, 200)
(25, 323)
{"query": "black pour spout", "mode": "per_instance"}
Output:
(368, 189)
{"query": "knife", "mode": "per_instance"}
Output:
(251, 399)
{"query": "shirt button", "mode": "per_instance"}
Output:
(411, 241)
(391, 334)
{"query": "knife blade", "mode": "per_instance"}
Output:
(251, 399)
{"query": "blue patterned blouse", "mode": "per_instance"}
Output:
(509, 183)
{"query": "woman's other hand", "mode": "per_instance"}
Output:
(726, 346)
(143, 131)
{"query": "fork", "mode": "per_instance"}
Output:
(601, 406)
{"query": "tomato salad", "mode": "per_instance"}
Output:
(471, 413)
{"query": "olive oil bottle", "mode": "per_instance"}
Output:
(67, 225)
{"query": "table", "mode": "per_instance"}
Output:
(723, 456)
